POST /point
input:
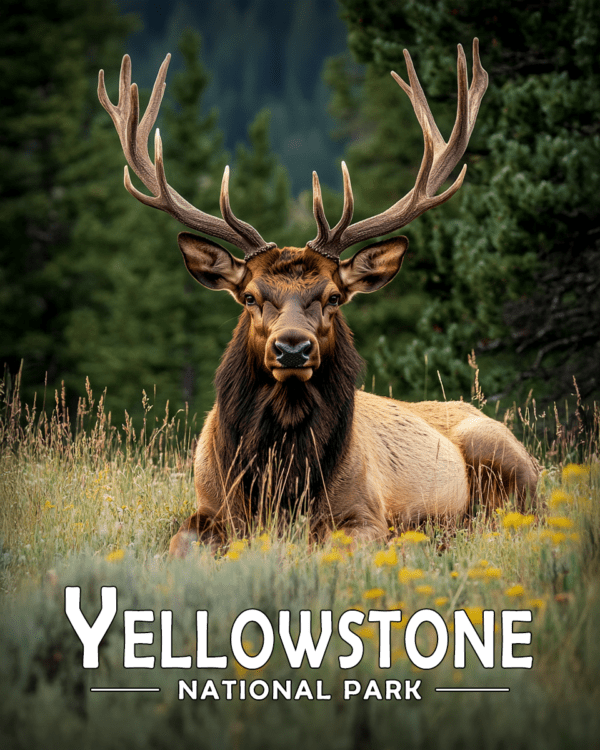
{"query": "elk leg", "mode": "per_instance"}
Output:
(499, 465)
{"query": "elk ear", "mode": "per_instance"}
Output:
(373, 266)
(210, 264)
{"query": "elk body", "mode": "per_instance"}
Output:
(289, 431)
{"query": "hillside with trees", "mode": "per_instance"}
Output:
(92, 284)
(510, 267)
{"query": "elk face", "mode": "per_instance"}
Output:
(292, 296)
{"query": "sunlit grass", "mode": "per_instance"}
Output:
(91, 505)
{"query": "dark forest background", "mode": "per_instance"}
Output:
(506, 274)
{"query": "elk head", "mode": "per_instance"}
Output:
(292, 295)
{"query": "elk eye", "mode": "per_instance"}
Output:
(249, 299)
(334, 300)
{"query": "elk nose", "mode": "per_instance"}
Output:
(293, 356)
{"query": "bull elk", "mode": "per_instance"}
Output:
(289, 426)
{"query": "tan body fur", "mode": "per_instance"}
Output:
(405, 462)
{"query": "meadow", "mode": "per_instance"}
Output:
(92, 504)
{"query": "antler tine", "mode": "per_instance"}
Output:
(156, 97)
(319, 212)
(117, 112)
(418, 99)
(348, 209)
(244, 229)
(479, 84)
(327, 237)
(133, 135)
(124, 81)
(439, 159)
(137, 149)
(125, 116)
(459, 138)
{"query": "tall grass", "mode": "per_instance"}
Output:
(89, 503)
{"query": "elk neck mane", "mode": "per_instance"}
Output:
(304, 427)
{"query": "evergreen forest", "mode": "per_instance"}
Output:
(500, 289)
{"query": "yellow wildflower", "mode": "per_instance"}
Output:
(414, 537)
(49, 505)
(454, 574)
(574, 537)
(440, 601)
(536, 603)
(425, 590)
(515, 520)
(475, 614)
(373, 594)
(341, 537)
(407, 574)
(558, 497)
(484, 570)
(332, 557)
(476, 572)
(232, 555)
(560, 522)
(516, 590)
(556, 537)
(575, 473)
(115, 555)
(492, 573)
(366, 631)
(238, 546)
(385, 557)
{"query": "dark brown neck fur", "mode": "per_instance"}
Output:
(297, 431)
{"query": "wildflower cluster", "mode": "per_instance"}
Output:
(514, 520)
(484, 571)
(341, 548)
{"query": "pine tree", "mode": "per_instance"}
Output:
(260, 183)
(50, 53)
(515, 258)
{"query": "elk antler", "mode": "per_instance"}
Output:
(439, 159)
(134, 140)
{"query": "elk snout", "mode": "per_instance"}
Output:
(292, 354)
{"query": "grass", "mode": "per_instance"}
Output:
(90, 505)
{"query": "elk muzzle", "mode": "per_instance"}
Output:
(293, 356)
(292, 353)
